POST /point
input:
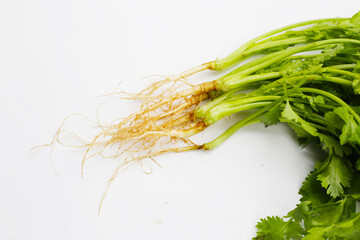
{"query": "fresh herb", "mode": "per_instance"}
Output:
(306, 75)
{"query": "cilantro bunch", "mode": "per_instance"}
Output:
(306, 75)
(310, 80)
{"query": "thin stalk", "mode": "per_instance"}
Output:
(343, 59)
(215, 114)
(234, 57)
(238, 80)
(200, 112)
(230, 131)
(340, 71)
(303, 56)
(278, 43)
(247, 65)
(344, 66)
(306, 78)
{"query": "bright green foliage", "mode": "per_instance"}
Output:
(334, 123)
(301, 212)
(350, 130)
(289, 115)
(333, 220)
(274, 228)
(271, 228)
(314, 101)
(331, 145)
(314, 73)
(312, 191)
(348, 229)
(272, 116)
(335, 175)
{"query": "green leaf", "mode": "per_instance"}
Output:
(316, 233)
(306, 110)
(289, 115)
(328, 53)
(314, 100)
(312, 191)
(272, 116)
(351, 130)
(335, 176)
(331, 145)
(271, 228)
(294, 231)
(301, 211)
(349, 208)
(356, 18)
(290, 68)
(328, 213)
(343, 113)
(347, 229)
(354, 190)
(304, 137)
(301, 215)
(334, 122)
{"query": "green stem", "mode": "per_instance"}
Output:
(344, 66)
(257, 49)
(270, 59)
(247, 65)
(200, 112)
(278, 43)
(343, 59)
(340, 71)
(301, 57)
(230, 131)
(234, 57)
(228, 108)
(238, 80)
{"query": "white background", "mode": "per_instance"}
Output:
(58, 57)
